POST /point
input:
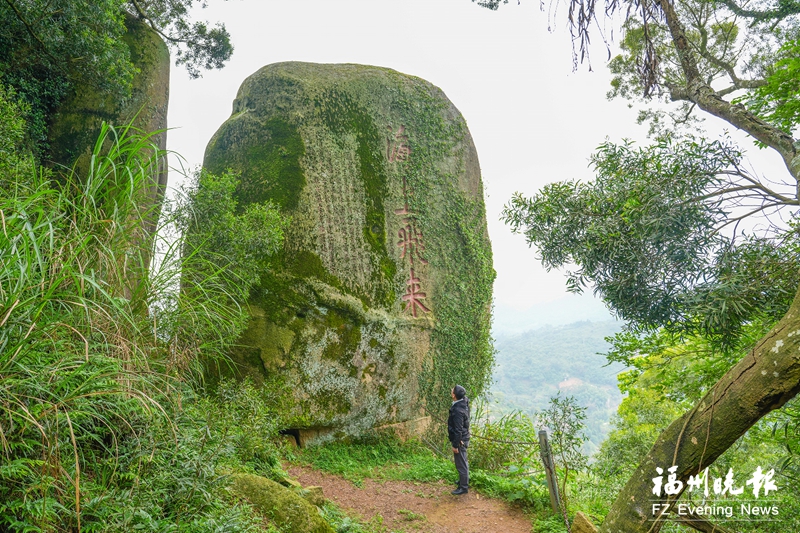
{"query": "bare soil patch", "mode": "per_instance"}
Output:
(424, 507)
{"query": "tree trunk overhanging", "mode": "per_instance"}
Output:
(764, 380)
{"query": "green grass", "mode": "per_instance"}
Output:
(379, 458)
(103, 426)
(411, 516)
(386, 458)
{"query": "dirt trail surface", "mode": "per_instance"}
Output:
(424, 507)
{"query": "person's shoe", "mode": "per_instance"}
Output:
(459, 492)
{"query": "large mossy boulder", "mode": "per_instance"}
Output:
(289, 511)
(75, 125)
(381, 299)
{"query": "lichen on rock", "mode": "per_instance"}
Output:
(380, 300)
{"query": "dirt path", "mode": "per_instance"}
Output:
(417, 507)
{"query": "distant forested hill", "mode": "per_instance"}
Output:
(534, 366)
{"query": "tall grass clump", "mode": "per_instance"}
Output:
(508, 444)
(101, 425)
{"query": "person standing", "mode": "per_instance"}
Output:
(458, 433)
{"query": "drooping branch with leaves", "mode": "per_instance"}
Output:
(196, 44)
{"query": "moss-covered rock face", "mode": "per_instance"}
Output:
(380, 301)
(76, 124)
(288, 510)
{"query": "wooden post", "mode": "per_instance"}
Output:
(550, 471)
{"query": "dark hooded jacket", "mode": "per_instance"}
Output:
(458, 423)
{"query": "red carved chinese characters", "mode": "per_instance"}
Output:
(410, 241)
(404, 210)
(414, 296)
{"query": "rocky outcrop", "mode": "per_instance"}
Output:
(380, 300)
(75, 126)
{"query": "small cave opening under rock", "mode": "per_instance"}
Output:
(307, 436)
(294, 433)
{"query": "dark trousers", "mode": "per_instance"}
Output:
(462, 466)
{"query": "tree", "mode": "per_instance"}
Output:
(666, 379)
(48, 47)
(648, 233)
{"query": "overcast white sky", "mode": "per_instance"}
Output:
(533, 120)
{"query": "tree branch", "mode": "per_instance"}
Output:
(144, 16)
(737, 82)
(722, 192)
(714, 60)
(780, 13)
(742, 84)
(764, 380)
(679, 93)
(764, 207)
(760, 186)
(698, 91)
(31, 32)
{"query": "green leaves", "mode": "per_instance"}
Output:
(646, 235)
(197, 45)
(48, 49)
(232, 238)
(76, 37)
(507, 445)
(778, 100)
(639, 233)
(752, 281)
(15, 161)
(566, 422)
